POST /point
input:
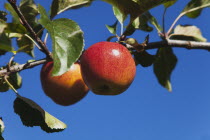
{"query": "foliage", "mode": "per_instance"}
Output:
(68, 43)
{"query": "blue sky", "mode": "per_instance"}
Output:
(146, 111)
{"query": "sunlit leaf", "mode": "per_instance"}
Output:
(164, 65)
(187, 32)
(119, 15)
(15, 17)
(199, 4)
(112, 28)
(59, 6)
(3, 25)
(31, 114)
(67, 41)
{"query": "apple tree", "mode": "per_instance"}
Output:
(32, 25)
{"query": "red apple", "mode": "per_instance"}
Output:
(108, 68)
(65, 89)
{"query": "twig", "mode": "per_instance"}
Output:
(20, 67)
(179, 44)
(184, 13)
(152, 45)
(30, 29)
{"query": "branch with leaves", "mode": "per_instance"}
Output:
(139, 47)
(68, 43)
(30, 29)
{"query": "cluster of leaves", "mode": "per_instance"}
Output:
(164, 61)
(66, 34)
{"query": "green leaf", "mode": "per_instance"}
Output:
(144, 58)
(25, 45)
(59, 6)
(5, 43)
(112, 28)
(119, 15)
(187, 32)
(30, 11)
(3, 15)
(141, 23)
(31, 114)
(170, 3)
(3, 85)
(135, 8)
(164, 65)
(15, 17)
(3, 25)
(16, 80)
(197, 5)
(1, 128)
(67, 41)
(15, 28)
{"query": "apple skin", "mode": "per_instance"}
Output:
(108, 68)
(66, 89)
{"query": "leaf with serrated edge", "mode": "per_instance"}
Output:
(187, 32)
(164, 65)
(112, 28)
(67, 41)
(198, 5)
(32, 114)
(59, 6)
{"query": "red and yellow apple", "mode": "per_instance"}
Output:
(108, 68)
(65, 89)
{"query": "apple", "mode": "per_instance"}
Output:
(66, 89)
(108, 68)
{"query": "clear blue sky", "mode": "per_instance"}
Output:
(146, 111)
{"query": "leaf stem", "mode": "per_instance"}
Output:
(184, 13)
(33, 42)
(9, 84)
(163, 20)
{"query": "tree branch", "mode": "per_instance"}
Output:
(152, 45)
(30, 29)
(178, 44)
(20, 67)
